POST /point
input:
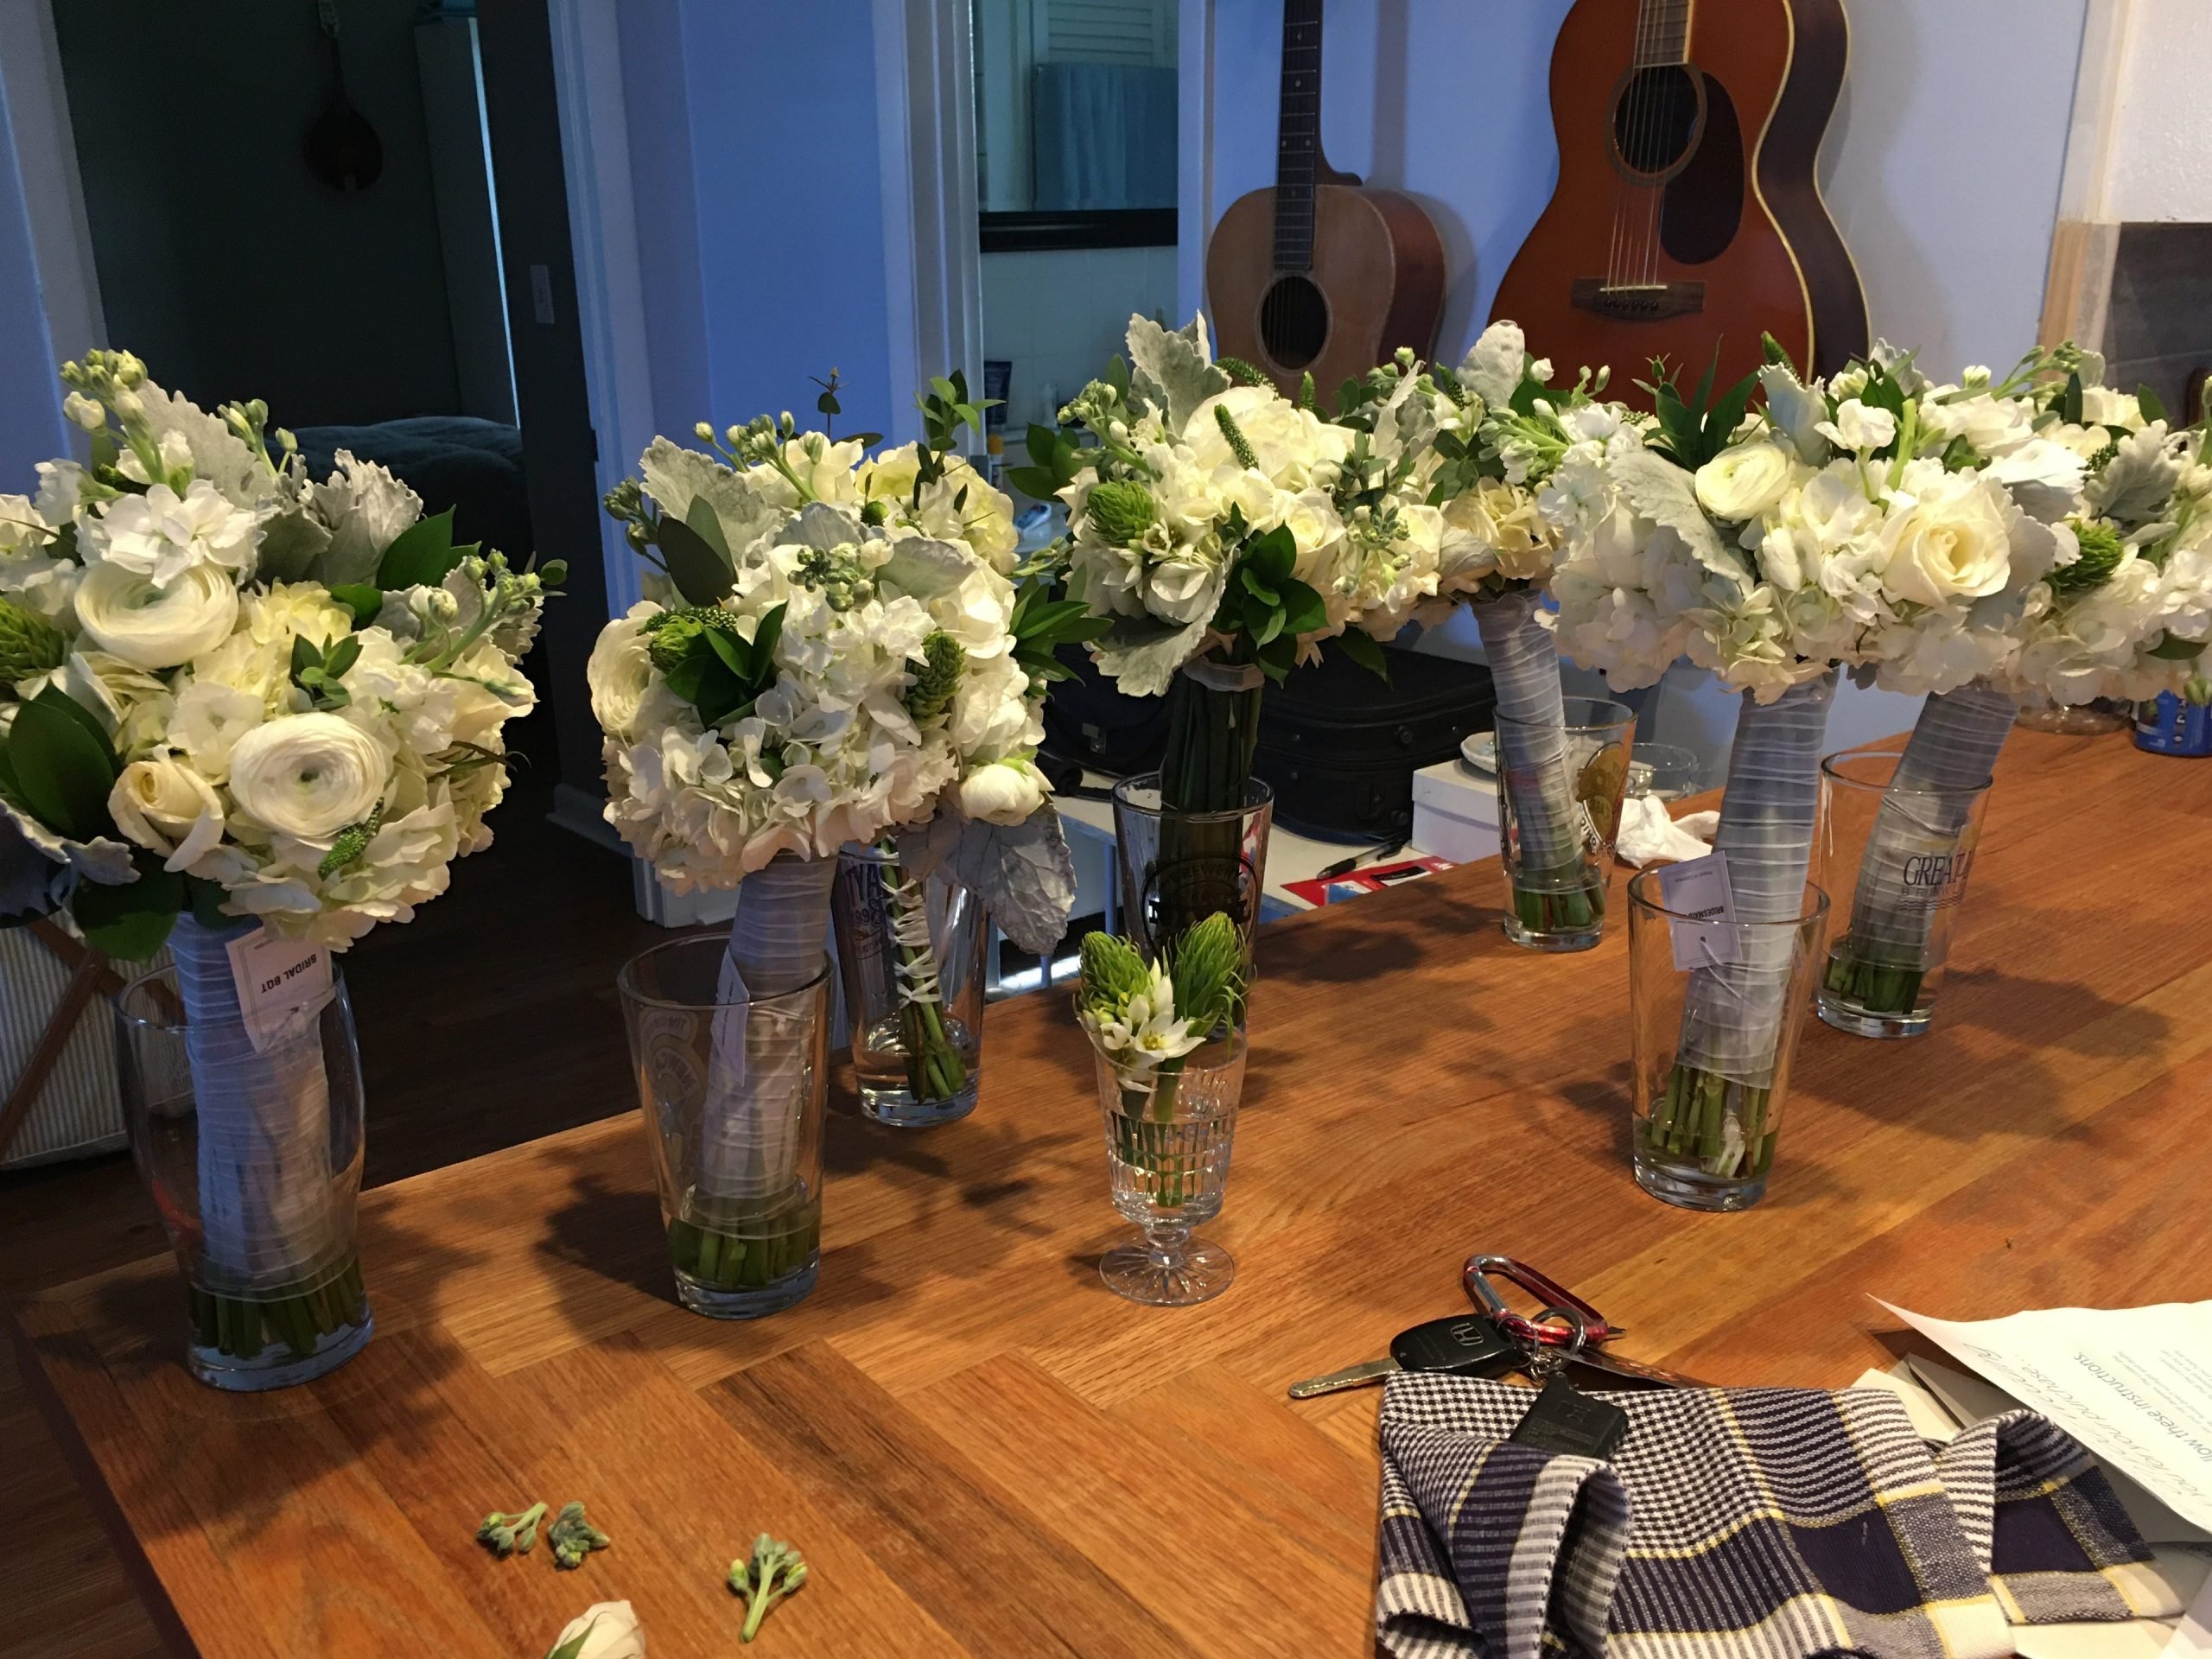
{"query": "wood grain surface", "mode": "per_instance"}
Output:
(982, 1452)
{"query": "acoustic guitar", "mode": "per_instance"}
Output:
(1320, 276)
(1688, 214)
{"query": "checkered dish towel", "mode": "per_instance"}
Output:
(1739, 1523)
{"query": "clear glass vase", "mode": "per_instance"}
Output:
(1704, 1138)
(253, 1158)
(1177, 868)
(1559, 798)
(1903, 854)
(911, 955)
(1168, 1137)
(732, 1091)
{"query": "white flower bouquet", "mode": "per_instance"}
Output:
(1218, 533)
(1846, 523)
(232, 694)
(2109, 594)
(835, 650)
(1512, 464)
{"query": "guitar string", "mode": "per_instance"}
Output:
(1647, 271)
(1625, 127)
(1641, 111)
(1678, 27)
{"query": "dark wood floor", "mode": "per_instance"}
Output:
(490, 1019)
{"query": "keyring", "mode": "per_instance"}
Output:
(1592, 1326)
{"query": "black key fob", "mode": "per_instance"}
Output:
(1570, 1423)
(1470, 1346)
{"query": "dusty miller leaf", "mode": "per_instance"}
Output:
(1174, 372)
(1667, 495)
(1023, 873)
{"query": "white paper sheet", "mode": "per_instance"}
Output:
(2134, 1385)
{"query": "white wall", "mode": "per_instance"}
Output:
(1942, 168)
(2160, 157)
(1058, 313)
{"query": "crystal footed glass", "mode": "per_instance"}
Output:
(253, 1158)
(911, 955)
(1168, 1136)
(1559, 798)
(1177, 868)
(1703, 1134)
(733, 1091)
(1903, 854)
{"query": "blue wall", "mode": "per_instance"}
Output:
(753, 155)
(31, 426)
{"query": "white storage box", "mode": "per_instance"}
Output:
(1455, 812)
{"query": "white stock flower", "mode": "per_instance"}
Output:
(153, 626)
(1953, 542)
(1743, 481)
(1860, 428)
(307, 776)
(168, 808)
(160, 534)
(210, 718)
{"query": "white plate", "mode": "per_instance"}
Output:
(1479, 751)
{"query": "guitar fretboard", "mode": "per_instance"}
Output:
(1662, 32)
(1298, 134)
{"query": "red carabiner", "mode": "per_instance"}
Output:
(1475, 1277)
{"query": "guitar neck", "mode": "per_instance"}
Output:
(1662, 32)
(1297, 135)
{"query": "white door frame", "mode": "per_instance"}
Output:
(37, 111)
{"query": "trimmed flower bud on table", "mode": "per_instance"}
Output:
(773, 1571)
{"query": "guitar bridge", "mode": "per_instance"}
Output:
(1637, 302)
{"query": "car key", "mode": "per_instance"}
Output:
(1465, 1346)
(1563, 1418)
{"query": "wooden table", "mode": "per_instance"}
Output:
(982, 1452)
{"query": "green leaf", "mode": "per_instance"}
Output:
(736, 655)
(701, 575)
(364, 598)
(1273, 555)
(132, 921)
(1263, 622)
(1046, 618)
(1364, 649)
(2069, 404)
(1258, 587)
(1303, 610)
(342, 655)
(306, 654)
(63, 775)
(2154, 407)
(1032, 481)
(421, 556)
(1721, 421)
(702, 517)
(764, 636)
(2171, 649)
(55, 698)
(205, 900)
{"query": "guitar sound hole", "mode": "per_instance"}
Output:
(1294, 321)
(1654, 118)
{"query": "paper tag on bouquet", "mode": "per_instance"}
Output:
(282, 984)
(1704, 911)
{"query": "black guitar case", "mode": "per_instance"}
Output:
(1340, 746)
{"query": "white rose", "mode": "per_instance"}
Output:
(210, 718)
(606, 1629)
(1006, 792)
(620, 670)
(1860, 428)
(1954, 543)
(1742, 482)
(157, 627)
(161, 534)
(1183, 590)
(168, 808)
(307, 776)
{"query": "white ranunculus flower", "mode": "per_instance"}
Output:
(127, 615)
(1743, 481)
(307, 776)
(1005, 793)
(620, 670)
(1860, 428)
(210, 718)
(1954, 542)
(167, 808)
(160, 534)
(606, 1629)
